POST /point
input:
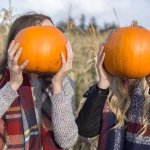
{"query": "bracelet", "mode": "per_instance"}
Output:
(94, 88)
(100, 90)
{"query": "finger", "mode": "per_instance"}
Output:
(102, 59)
(13, 51)
(16, 57)
(24, 65)
(63, 58)
(70, 48)
(69, 52)
(11, 45)
(101, 47)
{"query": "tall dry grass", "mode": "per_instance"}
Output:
(85, 47)
(3, 36)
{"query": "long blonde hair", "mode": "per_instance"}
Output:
(119, 102)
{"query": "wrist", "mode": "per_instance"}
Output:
(56, 88)
(96, 90)
(102, 91)
(103, 84)
(14, 86)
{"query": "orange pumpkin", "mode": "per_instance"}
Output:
(42, 46)
(127, 52)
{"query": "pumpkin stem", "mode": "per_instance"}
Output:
(134, 23)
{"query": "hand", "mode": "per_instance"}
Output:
(104, 77)
(16, 77)
(148, 80)
(65, 68)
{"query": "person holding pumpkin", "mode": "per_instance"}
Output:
(117, 108)
(37, 111)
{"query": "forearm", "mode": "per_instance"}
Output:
(89, 117)
(63, 119)
(7, 96)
